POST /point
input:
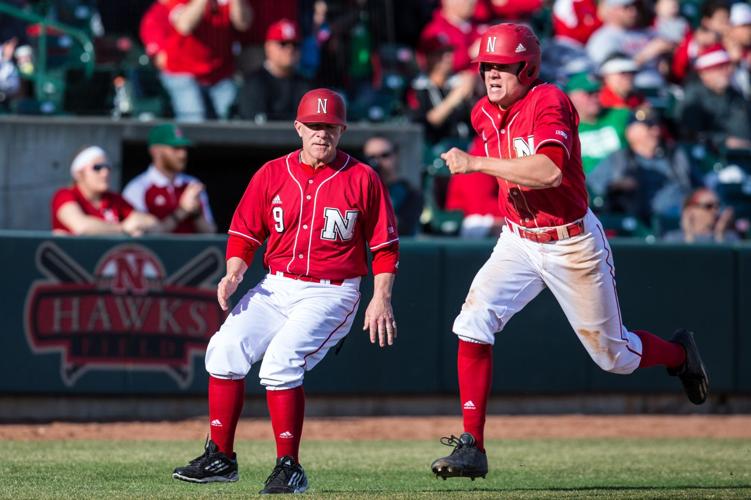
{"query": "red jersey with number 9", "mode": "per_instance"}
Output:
(544, 116)
(318, 221)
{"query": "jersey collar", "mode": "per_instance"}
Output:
(157, 178)
(336, 164)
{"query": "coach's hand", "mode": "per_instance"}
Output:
(458, 161)
(379, 319)
(227, 286)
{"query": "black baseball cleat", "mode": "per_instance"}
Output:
(287, 477)
(692, 372)
(211, 467)
(467, 460)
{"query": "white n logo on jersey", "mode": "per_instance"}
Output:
(322, 105)
(491, 44)
(524, 148)
(335, 225)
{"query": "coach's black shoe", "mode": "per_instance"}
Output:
(692, 373)
(287, 477)
(467, 460)
(212, 466)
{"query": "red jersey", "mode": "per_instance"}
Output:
(112, 208)
(609, 99)
(206, 52)
(575, 19)
(318, 221)
(156, 194)
(155, 28)
(545, 115)
(460, 37)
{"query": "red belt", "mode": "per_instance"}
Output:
(547, 235)
(307, 278)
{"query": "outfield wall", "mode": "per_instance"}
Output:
(131, 317)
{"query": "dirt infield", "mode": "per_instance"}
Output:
(383, 428)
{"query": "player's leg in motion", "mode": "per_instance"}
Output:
(240, 342)
(502, 287)
(581, 274)
(322, 315)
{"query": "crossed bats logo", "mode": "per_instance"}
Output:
(128, 314)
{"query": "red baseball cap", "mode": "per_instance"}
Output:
(712, 56)
(322, 106)
(283, 30)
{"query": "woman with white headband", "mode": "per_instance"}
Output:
(89, 207)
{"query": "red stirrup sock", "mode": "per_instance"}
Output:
(657, 351)
(226, 399)
(475, 368)
(287, 410)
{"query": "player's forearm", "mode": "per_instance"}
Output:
(535, 171)
(189, 16)
(383, 284)
(240, 14)
(92, 226)
(236, 267)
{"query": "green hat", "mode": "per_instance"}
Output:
(582, 81)
(168, 134)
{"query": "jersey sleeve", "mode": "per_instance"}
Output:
(249, 221)
(122, 207)
(135, 195)
(554, 120)
(380, 226)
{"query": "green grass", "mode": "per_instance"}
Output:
(583, 468)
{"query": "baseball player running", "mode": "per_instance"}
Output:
(551, 239)
(318, 208)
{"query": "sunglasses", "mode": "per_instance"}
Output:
(288, 45)
(382, 156)
(99, 166)
(710, 205)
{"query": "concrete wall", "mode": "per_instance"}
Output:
(35, 153)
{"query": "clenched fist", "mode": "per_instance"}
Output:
(458, 161)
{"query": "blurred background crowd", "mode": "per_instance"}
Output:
(662, 88)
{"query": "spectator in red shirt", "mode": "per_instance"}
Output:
(199, 60)
(618, 91)
(575, 19)
(89, 207)
(714, 23)
(454, 20)
(488, 11)
(476, 195)
(155, 30)
(165, 191)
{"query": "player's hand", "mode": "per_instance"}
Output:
(132, 226)
(379, 319)
(190, 200)
(458, 161)
(227, 286)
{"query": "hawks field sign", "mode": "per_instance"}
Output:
(126, 314)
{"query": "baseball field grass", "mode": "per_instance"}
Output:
(537, 468)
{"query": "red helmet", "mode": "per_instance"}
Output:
(322, 106)
(509, 43)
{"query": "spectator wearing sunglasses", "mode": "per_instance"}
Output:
(382, 155)
(165, 190)
(273, 91)
(703, 220)
(88, 207)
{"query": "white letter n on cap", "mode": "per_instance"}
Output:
(322, 105)
(491, 44)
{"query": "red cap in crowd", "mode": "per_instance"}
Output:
(322, 106)
(711, 57)
(283, 30)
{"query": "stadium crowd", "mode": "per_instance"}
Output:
(662, 88)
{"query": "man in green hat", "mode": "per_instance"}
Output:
(602, 131)
(164, 189)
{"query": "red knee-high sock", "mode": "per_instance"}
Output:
(657, 351)
(475, 367)
(226, 399)
(287, 410)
